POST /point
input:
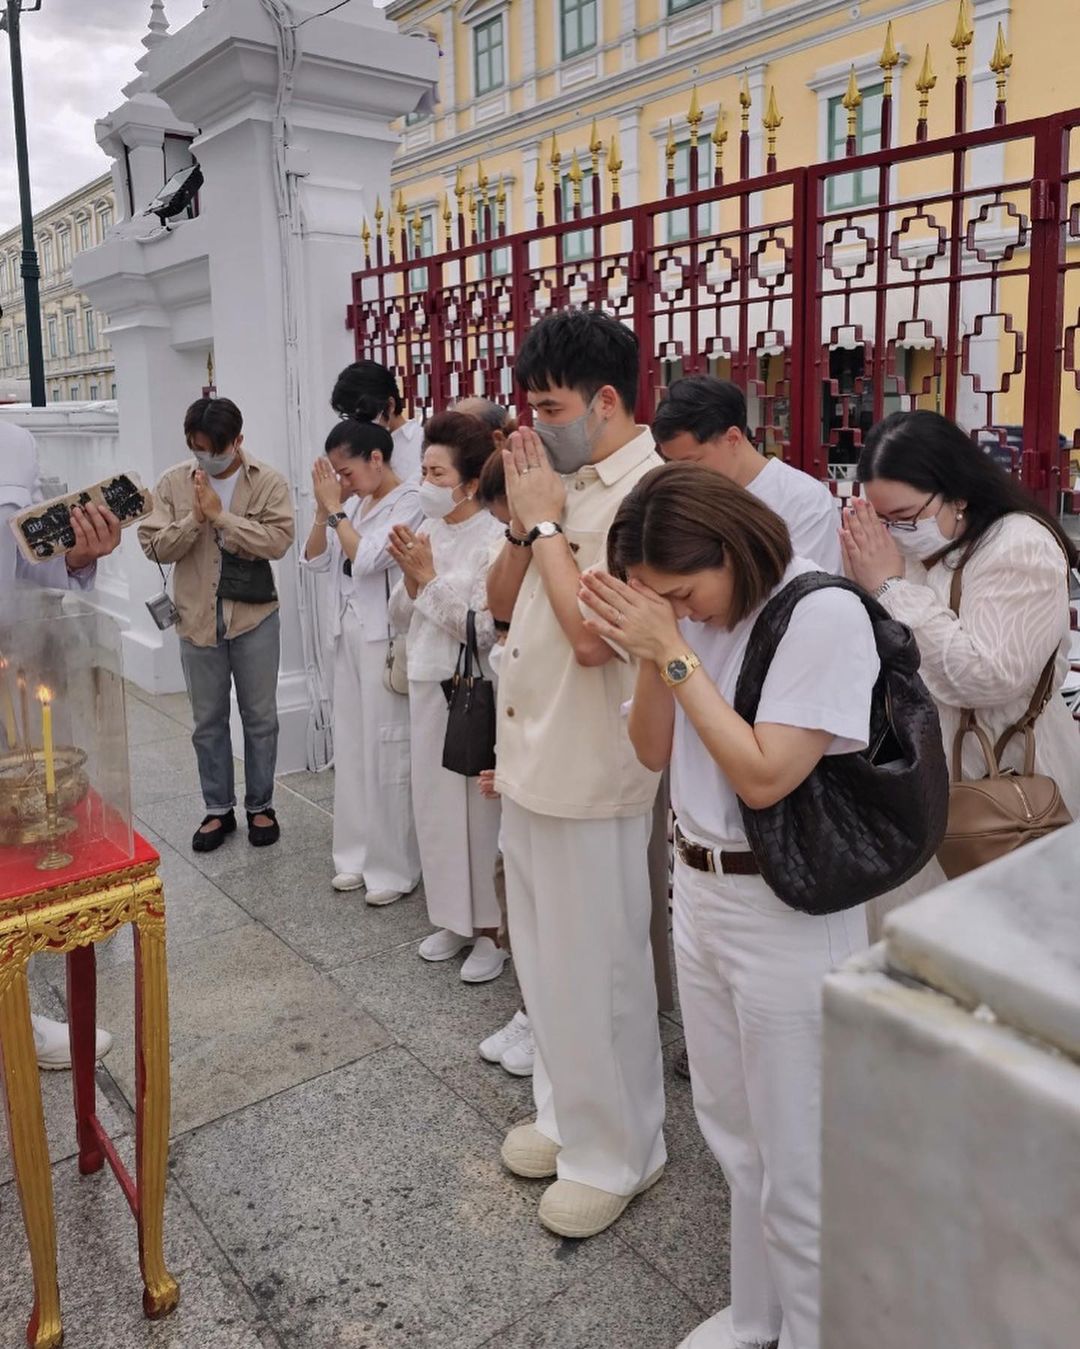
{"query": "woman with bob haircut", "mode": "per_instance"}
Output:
(936, 504)
(693, 560)
(358, 499)
(445, 565)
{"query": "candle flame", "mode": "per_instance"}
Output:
(44, 695)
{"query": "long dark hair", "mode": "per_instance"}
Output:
(932, 454)
(682, 518)
(360, 440)
(364, 391)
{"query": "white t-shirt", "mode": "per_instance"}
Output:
(807, 507)
(408, 451)
(225, 487)
(821, 678)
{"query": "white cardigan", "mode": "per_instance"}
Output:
(1014, 611)
(436, 619)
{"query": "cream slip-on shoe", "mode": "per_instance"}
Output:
(571, 1209)
(529, 1153)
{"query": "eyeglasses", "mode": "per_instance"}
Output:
(909, 526)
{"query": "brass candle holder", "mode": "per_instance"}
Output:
(30, 814)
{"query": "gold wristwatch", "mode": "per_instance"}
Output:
(679, 670)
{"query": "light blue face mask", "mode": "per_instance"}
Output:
(214, 464)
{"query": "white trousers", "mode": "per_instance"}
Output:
(457, 829)
(577, 895)
(373, 819)
(750, 976)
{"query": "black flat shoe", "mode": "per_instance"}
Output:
(262, 835)
(207, 842)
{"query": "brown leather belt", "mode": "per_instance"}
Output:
(700, 858)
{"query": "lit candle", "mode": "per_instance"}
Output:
(24, 708)
(45, 699)
(9, 706)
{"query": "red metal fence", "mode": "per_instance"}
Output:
(953, 282)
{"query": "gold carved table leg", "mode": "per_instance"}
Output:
(152, 1099)
(29, 1145)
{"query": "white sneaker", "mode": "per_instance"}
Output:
(443, 945)
(378, 899)
(495, 1046)
(716, 1333)
(347, 880)
(518, 1059)
(53, 1047)
(485, 962)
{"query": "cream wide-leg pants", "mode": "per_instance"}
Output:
(374, 835)
(750, 974)
(577, 894)
(457, 829)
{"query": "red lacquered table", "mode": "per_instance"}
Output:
(68, 910)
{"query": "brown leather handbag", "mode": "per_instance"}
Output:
(992, 816)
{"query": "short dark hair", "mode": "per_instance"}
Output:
(218, 419)
(469, 441)
(363, 390)
(580, 349)
(360, 440)
(491, 488)
(931, 453)
(701, 404)
(683, 518)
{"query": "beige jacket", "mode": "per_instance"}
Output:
(258, 523)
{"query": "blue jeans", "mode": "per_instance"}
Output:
(251, 662)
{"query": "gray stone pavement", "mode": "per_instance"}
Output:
(334, 1174)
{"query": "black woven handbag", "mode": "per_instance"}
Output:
(861, 824)
(469, 747)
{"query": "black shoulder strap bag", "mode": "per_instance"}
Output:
(861, 824)
(469, 747)
(250, 580)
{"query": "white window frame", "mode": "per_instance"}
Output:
(89, 319)
(47, 254)
(53, 335)
(63, 247)
(71, 328)
(84, 225)
(489, 21)
(8, 352)
(496, 103)
(598, 40)
(832, 81)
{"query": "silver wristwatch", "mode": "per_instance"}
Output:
(546, 529)
(335, 519)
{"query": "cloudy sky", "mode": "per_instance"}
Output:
(77, 55)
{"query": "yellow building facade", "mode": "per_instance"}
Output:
(536, 95)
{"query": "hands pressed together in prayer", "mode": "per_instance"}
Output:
(207, 501)
(326, 488)
(412, 553)
(631, 614)
(870, 552)
(534, 491)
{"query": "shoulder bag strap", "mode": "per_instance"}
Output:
(469, 646)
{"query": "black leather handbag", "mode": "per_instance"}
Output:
(250, 580)
(861, 824)
(469, 747)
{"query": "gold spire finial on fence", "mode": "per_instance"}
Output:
(745, 101)
(448, 221)
(575, 176)
(772, 121)
(719, 139)
(538, 188)
(962, 38)
(595, 146)
(1000, 63)
(852, 102)
(418, 231)
(614, 164)
(379, 213)
(500, 204)
(555, 158)
(365, 235)
(474, 206)
(482, 181)
(888, 60)
(694, 117)
(670, 151)
(925, 83)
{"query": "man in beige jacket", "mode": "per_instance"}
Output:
(225, 509)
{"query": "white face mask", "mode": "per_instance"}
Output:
(923, 541)
(437, 502)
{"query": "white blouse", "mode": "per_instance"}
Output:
(1014, 611)
(374, 572)
(436, 619)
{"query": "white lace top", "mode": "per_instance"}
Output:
(435, 620)
(1014, 611)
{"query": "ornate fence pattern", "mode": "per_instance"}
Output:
(944, 273)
